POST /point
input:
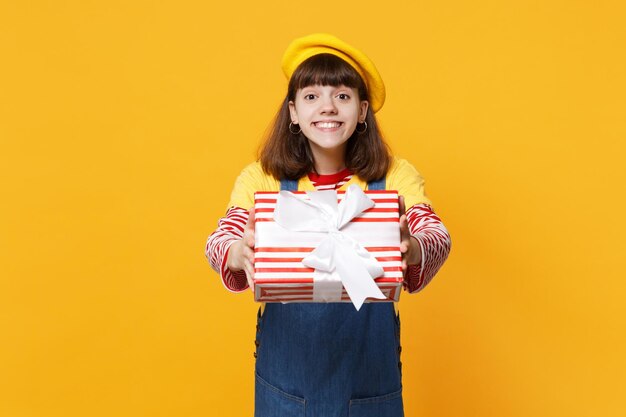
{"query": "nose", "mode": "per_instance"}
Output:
(328, 105)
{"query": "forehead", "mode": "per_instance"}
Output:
(325, 69)
(326, 87)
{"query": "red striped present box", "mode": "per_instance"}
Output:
(280, 275)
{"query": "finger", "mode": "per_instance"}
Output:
(233, 256)
(249, 268)
(404, 228)
(251, 219)
(248, 238)
(249, 228)
(249, 255)
(250, 282)
(402, 206)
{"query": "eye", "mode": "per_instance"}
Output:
(343, 96)
(309, 96)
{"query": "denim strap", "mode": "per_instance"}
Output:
(292, 185)
(289, 185)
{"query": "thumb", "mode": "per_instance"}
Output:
(251, 219)
(405, 234)
(249, 229)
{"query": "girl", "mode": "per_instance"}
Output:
(328, 359)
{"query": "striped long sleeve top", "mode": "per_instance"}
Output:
(424, 225)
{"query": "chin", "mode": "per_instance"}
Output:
(327, 146)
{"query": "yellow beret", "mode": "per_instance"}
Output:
(302, 49)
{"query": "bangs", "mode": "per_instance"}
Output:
(326, 69)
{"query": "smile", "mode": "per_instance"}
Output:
(327, 125)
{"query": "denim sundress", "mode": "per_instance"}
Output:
(327, 359)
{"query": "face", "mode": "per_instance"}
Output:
(327, 115)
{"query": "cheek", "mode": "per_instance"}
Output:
(305, 114)
(356, 113)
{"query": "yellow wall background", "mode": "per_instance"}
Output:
(124, 124)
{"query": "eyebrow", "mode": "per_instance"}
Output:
(335, 87)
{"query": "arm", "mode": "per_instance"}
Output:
(425, 240)
(434, 243)
(230, 229)
(229, 249)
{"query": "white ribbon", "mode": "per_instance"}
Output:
(338, 259)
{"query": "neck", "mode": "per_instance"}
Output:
(328, 161)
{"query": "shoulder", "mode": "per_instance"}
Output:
(254, 175)
(252, 178)
(254, 168)
(253, 171)
(401, 168)
(403, 177)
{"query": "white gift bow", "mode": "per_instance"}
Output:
(338, 258)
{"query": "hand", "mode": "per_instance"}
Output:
(409, 246)
(241, 253)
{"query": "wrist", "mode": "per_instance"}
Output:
(231, 256)
(416, 251)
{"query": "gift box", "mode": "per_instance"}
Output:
(327, 246)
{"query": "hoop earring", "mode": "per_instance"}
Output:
(360, 132)
(291, 130)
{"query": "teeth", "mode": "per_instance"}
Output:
(327, 125)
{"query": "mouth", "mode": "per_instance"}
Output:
(327, 125)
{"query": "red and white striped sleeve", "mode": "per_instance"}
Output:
(229, 230)
(435, 242)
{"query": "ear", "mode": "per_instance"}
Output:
(293, 113)
(364, 105)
